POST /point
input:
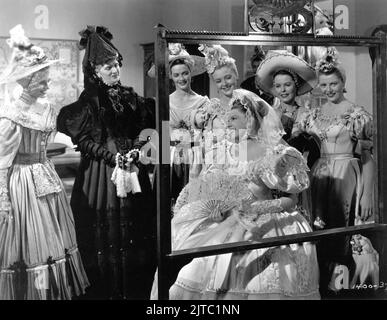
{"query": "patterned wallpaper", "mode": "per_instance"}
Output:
(66, 76)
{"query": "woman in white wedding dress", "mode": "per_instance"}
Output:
(234, 201)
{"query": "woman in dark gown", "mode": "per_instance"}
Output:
(116, 234)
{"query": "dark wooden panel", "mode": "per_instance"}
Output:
(163, 168)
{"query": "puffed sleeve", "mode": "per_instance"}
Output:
(283, 168)
(213, 108)
(203, 106)
(75, 120)
(10, 137)
(361, 126)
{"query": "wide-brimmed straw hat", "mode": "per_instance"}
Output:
(177, 51)
(26, 58)
(284, 60)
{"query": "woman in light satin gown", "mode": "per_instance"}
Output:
(344, 172)
(232, 201)
(39, 257)
(183, 103)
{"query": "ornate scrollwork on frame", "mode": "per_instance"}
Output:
(280, 16)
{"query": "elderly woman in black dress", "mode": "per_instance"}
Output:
(116, 233)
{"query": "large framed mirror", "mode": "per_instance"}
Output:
(201, 230)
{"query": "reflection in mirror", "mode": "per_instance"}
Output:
(293, 94)
(263, 161)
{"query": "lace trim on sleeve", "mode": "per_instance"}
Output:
(302, 122)
(360, 124)
(39, 116)
(267, 206)
(249, 213)
(5, 203)
(282, 168)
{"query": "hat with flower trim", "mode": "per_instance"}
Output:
(26, 58)
(177, 51)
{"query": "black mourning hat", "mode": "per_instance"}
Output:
(96, 40)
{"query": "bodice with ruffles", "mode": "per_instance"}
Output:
(181, 131)
(340, 134)
(281, 168)
(288, 116)
(180, 116)
(23, 140)
(232, 190)
(37, 226)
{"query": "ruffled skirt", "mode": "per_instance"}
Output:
(286, 272)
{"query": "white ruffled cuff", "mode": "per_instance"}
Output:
(125, 181)
(267, 206)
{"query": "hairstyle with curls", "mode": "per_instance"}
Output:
(179, 55)
(244, 104)
(217, 57)
(329, 64)
(290, 73)
(180, 61)
(240, 106)
(333, 70)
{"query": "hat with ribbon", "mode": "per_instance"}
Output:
(216, 57)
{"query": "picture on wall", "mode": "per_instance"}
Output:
(65, 75)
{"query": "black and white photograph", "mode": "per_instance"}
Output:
(171, 150)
